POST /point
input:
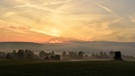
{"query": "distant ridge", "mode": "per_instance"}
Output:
(19, 43)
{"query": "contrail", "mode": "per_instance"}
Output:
(58, 2)
(37, 7)
(107, 9)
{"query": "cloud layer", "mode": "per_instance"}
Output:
(89, 20)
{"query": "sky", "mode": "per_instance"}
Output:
(87, 20)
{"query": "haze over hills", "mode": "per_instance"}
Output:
(127, 48)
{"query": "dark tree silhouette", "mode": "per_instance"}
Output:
(52, 57)
(52, 53)
(57, 57)
(29, 54)
(112, 53)
(72, 54)
(42, 54)
(20, 53)
(14, 54)
(64, 53)
(46, 58)
(101, 54)
(8, 56)
(80, 54)
(2, 54)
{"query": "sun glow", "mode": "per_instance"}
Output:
(55, 41)
(55, 32)
(51, 32)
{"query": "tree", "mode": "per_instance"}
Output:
(101, 54)
(46, 58)
(9, 56)
(93, 54)
(52, 57)
(42, 54)
(52, 53)
(14, 54)
(20, 53)
(2, 54)
(57, 57)
(112, 53)
(80, 54)
(72, 54)
(64, 53)
(29, 54)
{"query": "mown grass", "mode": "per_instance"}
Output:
(85, 68)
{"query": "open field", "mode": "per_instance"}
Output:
(85, 68)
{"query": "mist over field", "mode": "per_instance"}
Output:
(126, 48)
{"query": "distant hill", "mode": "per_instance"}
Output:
(9, 46)
(127, 48)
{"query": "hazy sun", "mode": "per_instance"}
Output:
(54, 32)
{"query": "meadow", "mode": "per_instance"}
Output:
(59, 68)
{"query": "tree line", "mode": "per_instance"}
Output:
(42, 55)
(28, 54)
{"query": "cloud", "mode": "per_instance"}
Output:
(9, 14)
(77, 19)
(23, 28)
(107, 9)
(132, 18)
(126, 35)
(40, 31)
(42, 5)
(14, 27)
(36, 7)
(57, 2)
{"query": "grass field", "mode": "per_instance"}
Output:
(86, 68)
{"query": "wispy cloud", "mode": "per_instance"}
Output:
(10, 26)
(58, 2)
(9, 14)
(39, 31)
(36, 7)
(107, 9)
(51, 32)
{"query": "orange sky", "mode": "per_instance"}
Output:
(88, 20)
